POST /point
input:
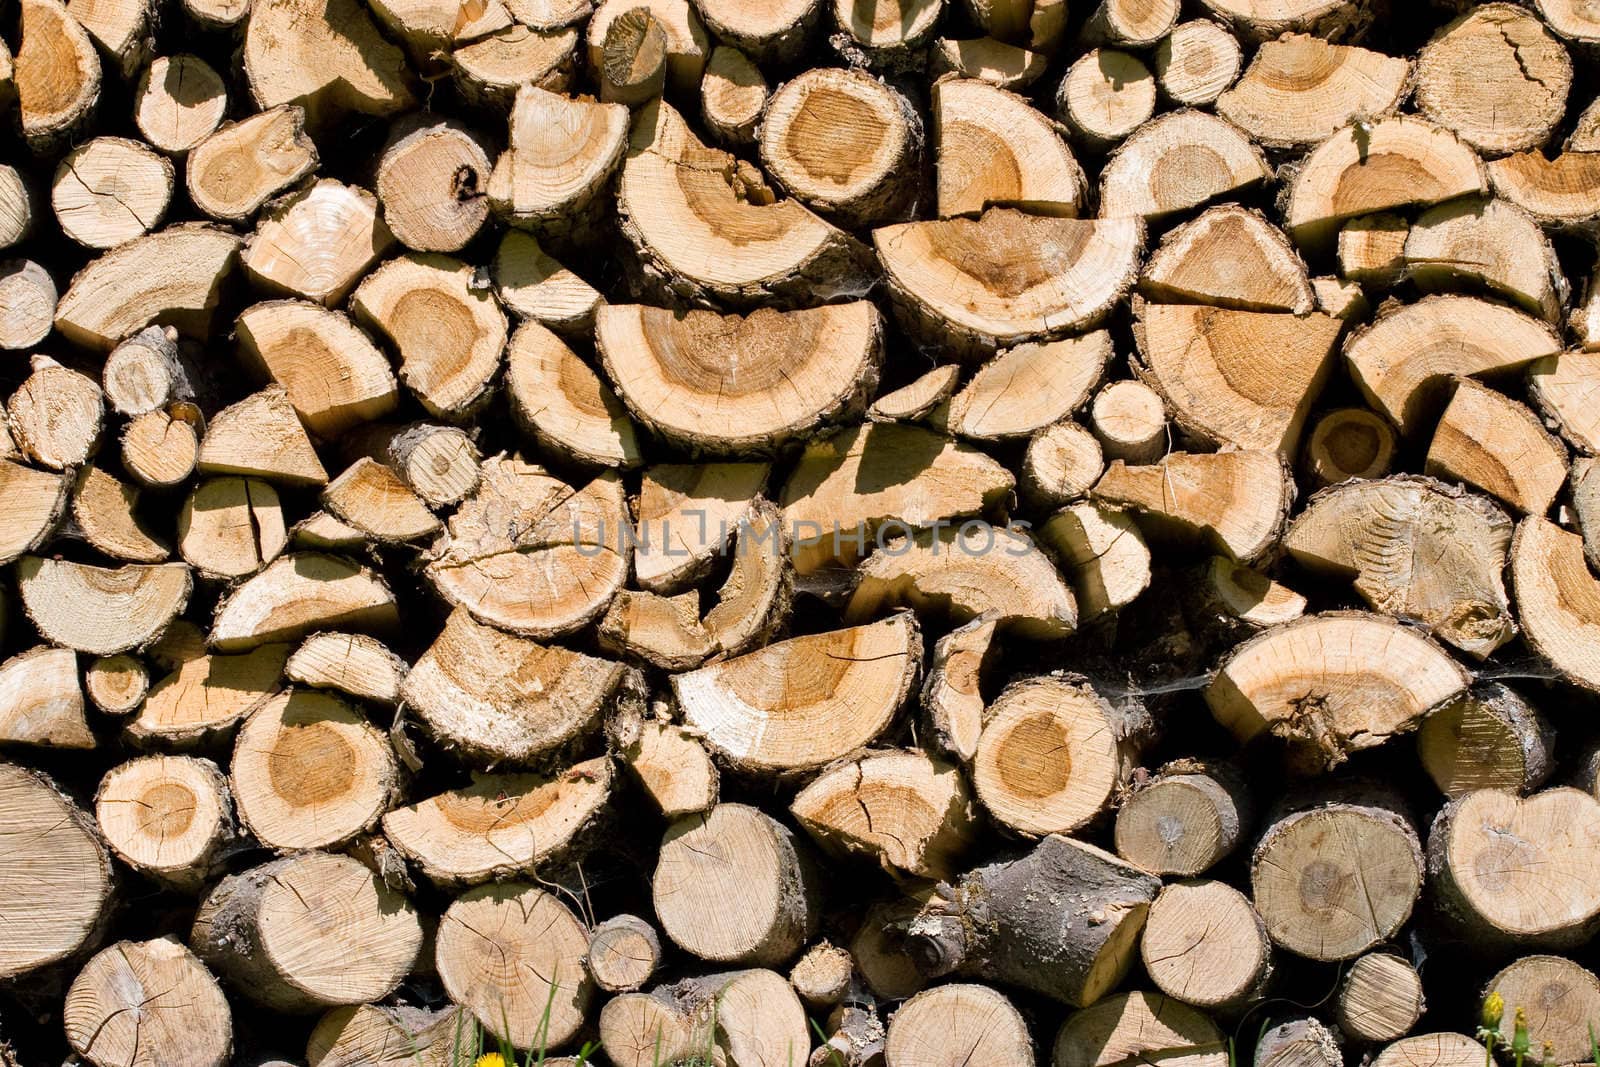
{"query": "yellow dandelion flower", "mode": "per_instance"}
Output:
(1494, 1009)
(490, 1059)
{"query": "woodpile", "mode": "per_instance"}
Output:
(799, 533)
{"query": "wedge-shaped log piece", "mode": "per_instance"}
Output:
(1263, 20)
(1062, 920)
(733, 384)
(1563, 387)
(957, 574)
(489, 71)
(910, 812)
(178, 101)
(958, 1023)
(1005, 66)
(1490, 738)
(326, 55)
(1176, 162)
(1054, 752)
(1139, 1028)
(1564, 997)
(41, 702)
(1416, 549)
(205, 695)
(101, 610)
(1230, 257)
(56, 75)
(561, 402)
(1103, 551)
(317, 243)
(173, 276)
(449, 334)
(1564, 191)
(55, 878)
(531, 554)
(704, 223)
(754, 599)
(1369, 167)
(534, 285)
(1402, 359)
(802, 703)
(1005, 277)
(1558, 599)
(686, 515)
(1239, 378)
(1510, 872)
(687, 43)
(1235, 502)
(1496, 77)
(371, 497)
(261, 436)
(951, 697)
(994, 148)
(31, 503)
(885, 475)
(1490, 243)
(501, 698)
(382, 1036)
(673, 768)
(562, 154)
(104, 509)
(334, 375)
(502, 825)
(440, 464)
(1029, 387)
(299, 594)
(1492, 442)
(427, 28)
(357, 664)
(1301, 89)
(1332, 684)
(238, 168)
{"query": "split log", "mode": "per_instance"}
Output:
(27, 303)
(371, 1035)
(733, 94)
(56, 415)
(173, 276)
(440, 464)
(542, 180)
(1557, 192)
(488, 72)
(1062, 921)
(1053, 753)
(911, 813)
(1185, 820)
(1299, 1043)
(179, 100)
(512, 954)
(223, 15)
(800, 704)
(1176, 162)
(56, 75)
(1233, 501)
(735, 852)
(260, 436)
(56, 879)
(231, 527)
(823, 975)
(1404, 357)
(321, 532)
(1372, 249)
(531, 554)
(1432, 1050)
(41, 701)
(432, 181)
(293, 54)
(1301, 89)
(1416, 549)
(260, 930)
(503, 698)
(309, 771)
(1230, 601)
(1403, 161)
(298, 594)
(1106, 95)
(1138, 1027)
(1257, 20)
(561, 402)
(1332, 684)
(1508, 871)
(773, 31)
(371, 497)
(1062, 463)
(688, 44)
(673, 768)
(950, 694)
(241, 166)
(686, 515)
(101, 610)
(1029, 387)
(1560, 999)
(104, 510)
(1558, 385)
(354, 664)
(1103, 552)
(623, 953)
(109, 191)
(633, 58)
(1205, 945)
(663, 631)
(1002, 65)
(808, 368)
(955, 1024)
(1490, 738)
(1479, 433)
(317, 243)
(995, 149)
(1197, 62)
(1490, 243)
(1557, 599)
(1348, 443)
(168, 817)
(1035, 24)
(16, 209)
(116, 684)
(535, 286)
(1496, 77)
(148, 371)
(148, 999)
(1228, 256)
(739, 1017)
(1586, 505)
(203, 696)
(448, 333)
(502, 825)
(919, 399)
(1381, 998)
(1337, 873)
(980, 284)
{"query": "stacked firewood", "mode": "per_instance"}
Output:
(766, 533)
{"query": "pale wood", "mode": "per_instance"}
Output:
(1228, 256)
(994, 148)
(1496, 77)
(1187, 818)
(56, 74)
(1489, 441)
(1340, 297)
(534, 286)
(1557, 599)
(1301, 89)
(766, 30)
(1137, 1026)
(1432, 1050)
(1372, 249)
(101, 610)
(179, 101)
(563, 403)
(1176, 162)
(1234, 502)
(425, 29)
(116, 684)
(918, 399)
(1381, 998)
(356, 664)
(259, 436)
(114, 1010)
(1106, 95)
(316, 243)
(1197, 62)
(823, 974)
(1104, 553)
(293, 55)
(673, 768)
(324, 533)
(440, 464)
(374, 499)
(105, 511)
(160, 450)
(633, 58)
(1556, 191)
(370, 1035)
(27, 303)
(1299, 1043)
(1038, 24)
(168, 817)
(148, 371)
(334, 376)
(1560, 386)
(1205, 945)
(1130, 23)
(733, 95)
(298, 594)
(685, 517)
(204, 695)
(688, 44)
(16, 210)
(1263, 20)
(217, 14)
(1490, 738)
(955, 1024)
(951, 698)
(41, 700)
(110, 190)
(432, 180)
(1001, 64)
(1026, 388)
(235, 170)
(1559, 997)
(1492, 243)
(623, 953)
(541, 177)
(895, 26)
(1061, 464)
(489, 71)
(56, 415)
(1348, 443)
